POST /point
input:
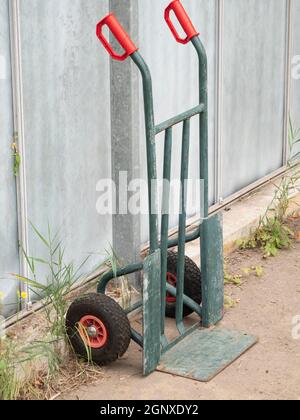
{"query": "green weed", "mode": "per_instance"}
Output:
(272, 233)
(16, 155)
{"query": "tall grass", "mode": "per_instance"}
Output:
(54, 287)
(58, 281)
(9, 384)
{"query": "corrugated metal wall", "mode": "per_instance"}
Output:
(9, 259)
(253, 91)
(295, 87)
(67, 123)
(66, 108)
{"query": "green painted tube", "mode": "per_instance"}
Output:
(211, 229)
(190, 237)
(125, 271)
(151, 149)
(179, 118)
(134, 307)
(137, 338)
(186, 300)
(182, 224)
(203, 99)
(165, 222)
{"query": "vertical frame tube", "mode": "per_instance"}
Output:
(211, 228)
(182, 224)
(203, 98)
(151, 149)
(152, 264)
(165, 222)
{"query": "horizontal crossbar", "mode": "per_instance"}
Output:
(190, 237)
(179, 118)
(190, 303)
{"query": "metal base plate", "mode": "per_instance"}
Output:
(205, 353)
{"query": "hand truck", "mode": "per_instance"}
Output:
(173, 285)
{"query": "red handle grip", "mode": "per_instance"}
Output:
(184, 20)
(120, 34)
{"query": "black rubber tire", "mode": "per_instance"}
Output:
(192, 283)
(114, 319)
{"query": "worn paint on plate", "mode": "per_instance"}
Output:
(206, 353)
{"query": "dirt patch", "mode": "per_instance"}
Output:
(266, 307)
(265, 301)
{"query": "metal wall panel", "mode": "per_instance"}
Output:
(174, 70)
(295, 85)
(254, 91)
(9, 258)
(67, 123)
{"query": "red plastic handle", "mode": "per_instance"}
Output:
(184, 20)
(120, 34)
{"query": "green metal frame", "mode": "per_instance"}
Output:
(154, 340)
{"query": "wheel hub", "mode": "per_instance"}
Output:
(93, 332)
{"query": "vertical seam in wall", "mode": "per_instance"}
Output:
(18, 116)
(219, 102)
(112, 122)
(287, 84)
(126, 12)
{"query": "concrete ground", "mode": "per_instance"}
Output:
(267, 307)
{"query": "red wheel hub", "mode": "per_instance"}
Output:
(172, 280)
(93, 332)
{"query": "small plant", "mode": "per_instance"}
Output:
(294, 140)
(258, 271)
(272, 233)
(16, 155)
(45, 350)
(58, 282)
(114, 262)
(236, 280)
(229, 302)
(271, 236)
(9, 385)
